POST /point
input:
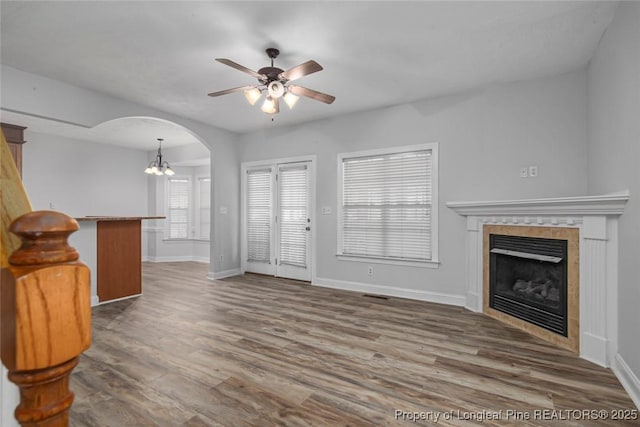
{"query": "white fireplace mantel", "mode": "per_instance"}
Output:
(611, 204)
(596, 217)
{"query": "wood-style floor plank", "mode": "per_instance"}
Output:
(259, 351)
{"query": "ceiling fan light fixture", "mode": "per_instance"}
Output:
(270, 106)
(276, 83)
(252, 95)
(290, 99)
(275, 89)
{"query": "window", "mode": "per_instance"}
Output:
(178, 204)
(388, 205)
(188, 207)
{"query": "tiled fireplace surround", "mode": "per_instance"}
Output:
(596, 218)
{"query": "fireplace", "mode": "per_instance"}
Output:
(528, 279)
(531, 280)
(589, 224)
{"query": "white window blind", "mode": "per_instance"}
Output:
(178, 196)
(259, 196)
(293, 216)
(387, 205)
(204, 208)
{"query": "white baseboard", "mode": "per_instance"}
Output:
(472, 302)
(94, 300)
(176, 259)
(594, 349)
(627, 378)
(214, 275)
(437, 297)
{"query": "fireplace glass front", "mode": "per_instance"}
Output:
(528, 279)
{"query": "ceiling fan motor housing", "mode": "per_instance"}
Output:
(272, 73)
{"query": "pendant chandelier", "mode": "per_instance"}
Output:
(158, 166)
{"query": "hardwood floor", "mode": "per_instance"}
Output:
(258, 351)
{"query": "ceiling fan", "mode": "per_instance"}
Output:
(276, 82)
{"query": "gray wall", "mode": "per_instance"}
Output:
(83, 178)
(614, 156)
(484, 138)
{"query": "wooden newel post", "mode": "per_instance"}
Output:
(46, 316)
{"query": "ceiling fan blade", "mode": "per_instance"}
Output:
(242, 68)
(300, 70)
(310, 93)
(235, 89)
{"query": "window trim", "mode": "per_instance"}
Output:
(434, 262)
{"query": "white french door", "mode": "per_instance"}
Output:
(277, 220)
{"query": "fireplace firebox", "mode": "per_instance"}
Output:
(528, 279)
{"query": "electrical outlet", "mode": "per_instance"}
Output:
(533, 171)
(326, 210)
(524, 172)
(370, 271)
(221, 259)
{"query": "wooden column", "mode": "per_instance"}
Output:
(46, 316)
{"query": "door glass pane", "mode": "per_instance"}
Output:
(294, 212)
(259, 196)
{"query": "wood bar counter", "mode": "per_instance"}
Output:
(119, 256)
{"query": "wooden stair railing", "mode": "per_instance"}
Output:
(45, 309)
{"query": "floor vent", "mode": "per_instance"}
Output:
(375, 296)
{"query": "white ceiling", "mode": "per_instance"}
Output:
(374, 53)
